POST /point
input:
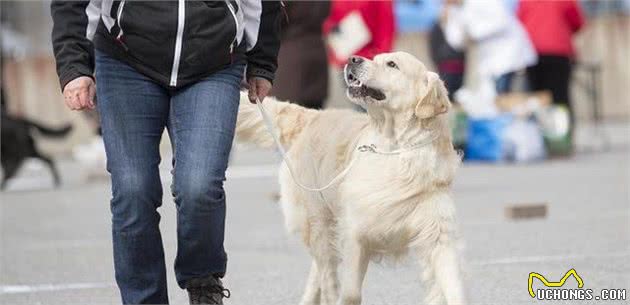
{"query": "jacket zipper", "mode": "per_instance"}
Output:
(233, 11)
(181, 16)
(119, 15)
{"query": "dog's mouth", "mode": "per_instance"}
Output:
(357, 89)
(365, 91)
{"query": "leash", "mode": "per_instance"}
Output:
(362, 148)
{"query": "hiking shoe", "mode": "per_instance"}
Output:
(206, 291)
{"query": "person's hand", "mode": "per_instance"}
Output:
(79, 93)
(258, 88)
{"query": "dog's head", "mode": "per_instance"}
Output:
(397, 83)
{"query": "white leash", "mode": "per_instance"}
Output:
(362, 148)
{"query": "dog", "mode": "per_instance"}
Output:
(388, 204)
(18, 144)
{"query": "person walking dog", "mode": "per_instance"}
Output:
(175, 65)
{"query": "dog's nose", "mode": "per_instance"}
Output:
(356, 59)
(350, 77)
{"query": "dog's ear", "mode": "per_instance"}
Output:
(435, 100)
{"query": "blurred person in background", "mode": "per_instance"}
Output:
(450, 62)
(551, 26)
(363, 28)
(174, 65)
(302, 75)
(377, 21)
(503, 44)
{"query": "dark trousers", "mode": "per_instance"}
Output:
(552, 73)
(200, 120)
(452, 82)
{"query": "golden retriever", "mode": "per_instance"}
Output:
(388, 204)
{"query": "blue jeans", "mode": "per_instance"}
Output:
(200, 120)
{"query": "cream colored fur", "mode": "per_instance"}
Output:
(386, 206)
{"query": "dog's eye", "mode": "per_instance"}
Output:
(392, 64)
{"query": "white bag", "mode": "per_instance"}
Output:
(479, 102)
(352, 36)
(524, 141)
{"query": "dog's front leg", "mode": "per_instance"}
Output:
(356, 261)
(328, 280)
(313, 288)
(443, 275)
(448, 274)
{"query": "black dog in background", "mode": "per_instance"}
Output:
(17, 144)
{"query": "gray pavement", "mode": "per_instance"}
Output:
(55, 244)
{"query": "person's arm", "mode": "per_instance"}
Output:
(262, 57)
(74, 52)
(574, 16)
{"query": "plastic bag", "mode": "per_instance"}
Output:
(555, 123)
(486, 138)
(479, 103)
(523, 141)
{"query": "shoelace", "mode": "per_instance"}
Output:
(225, 292)
(210, 292)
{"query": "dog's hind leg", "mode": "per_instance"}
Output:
(51, 165)
(313, 288)
(356, 261)
(53, 170)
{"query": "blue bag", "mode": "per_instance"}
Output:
(485, 138)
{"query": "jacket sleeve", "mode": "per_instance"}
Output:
(383, 34)
(262, 58)
(574, 16)
(74, 52)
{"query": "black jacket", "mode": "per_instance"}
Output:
(173, 42)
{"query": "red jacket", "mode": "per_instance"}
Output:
(378, 17)
(551, 24)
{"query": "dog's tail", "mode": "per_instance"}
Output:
(48, 131)
(288, 120)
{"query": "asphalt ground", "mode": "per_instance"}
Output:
(55, 244)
